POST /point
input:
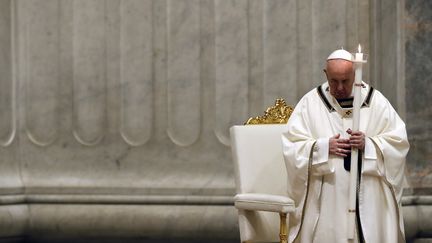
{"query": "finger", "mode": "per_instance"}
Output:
(340, 154)
(336, 136)
(356, 141)
(355, 133)
(344, 151)
(343, 140)
(358, 134)
(357, 145)
(343, 145)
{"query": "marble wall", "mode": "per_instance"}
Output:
(130, 101)
(418, 73)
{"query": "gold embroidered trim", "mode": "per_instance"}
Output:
(307, 190)
(277, 114)
(392, 191)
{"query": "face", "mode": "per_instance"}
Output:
(340, 76)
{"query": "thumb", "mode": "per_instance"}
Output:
(336, 136)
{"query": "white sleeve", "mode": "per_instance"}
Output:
(371, 164)
(320, 162)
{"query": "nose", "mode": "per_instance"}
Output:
(340, 86)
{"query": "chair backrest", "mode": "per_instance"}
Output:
(259, 168)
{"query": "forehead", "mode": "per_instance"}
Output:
(339, 66)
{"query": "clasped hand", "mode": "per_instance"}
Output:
(342, 147)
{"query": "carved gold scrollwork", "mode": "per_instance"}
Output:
(277, 114)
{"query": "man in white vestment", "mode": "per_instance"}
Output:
(317, 147)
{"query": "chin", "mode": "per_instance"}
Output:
(340, 96)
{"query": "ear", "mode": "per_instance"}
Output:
(325, 71)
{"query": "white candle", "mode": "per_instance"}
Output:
(358, 61)
(359, 55)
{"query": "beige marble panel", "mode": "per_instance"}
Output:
(328, 34)
(218, 223)
(357, 30)
(10, 176)
(89, 74)
(183, 71)
(159, 70)
(389, 53)
(136, 71)
(364, 36)
(352, 24)
(14, 220)
(280, 51)
(42, 70)
(207, 71)
(231, 97)
(304, 46)
(7, 79)
(255, 57)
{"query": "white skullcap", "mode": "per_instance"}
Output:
(340, 54)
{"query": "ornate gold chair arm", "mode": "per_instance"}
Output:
(277, 114)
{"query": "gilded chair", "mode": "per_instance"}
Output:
(261, 179)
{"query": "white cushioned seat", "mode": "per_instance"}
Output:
(264, 202)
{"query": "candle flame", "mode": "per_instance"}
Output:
(359, 48)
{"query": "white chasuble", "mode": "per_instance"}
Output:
(319, 183)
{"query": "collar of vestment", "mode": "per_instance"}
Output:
(343, 106)
(346, 103)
